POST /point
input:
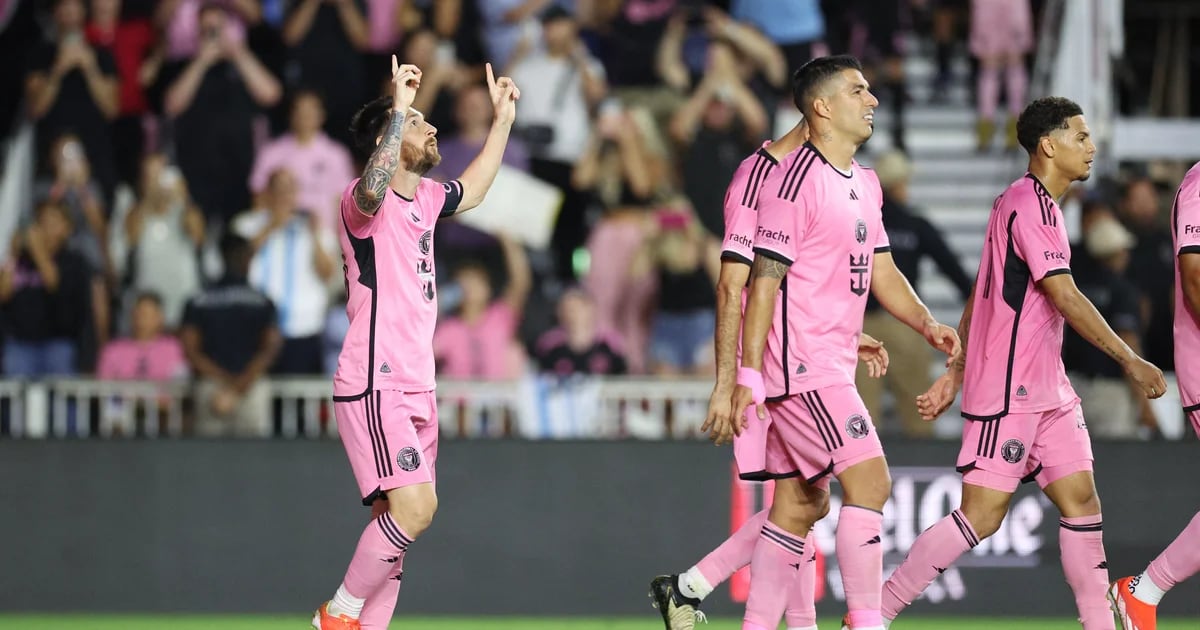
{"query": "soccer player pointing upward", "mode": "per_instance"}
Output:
(820, 242)
(1024, 419)
(383, 389)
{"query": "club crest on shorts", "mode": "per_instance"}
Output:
(860, 231)
(408, 459)
(858, 427)
(1012, 451)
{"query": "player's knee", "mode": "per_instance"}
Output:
(872, 492)
(414, 516)
(820, 505)
(984, 519)
(792, 513)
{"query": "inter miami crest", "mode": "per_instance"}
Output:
(1012, 451)
(860, 231)
(857, 427)
(408, 459)
(426, 242)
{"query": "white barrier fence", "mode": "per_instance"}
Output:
(534, 407)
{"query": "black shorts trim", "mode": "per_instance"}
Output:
(763, 475)
(1033, 475)
(975, 418)
(353, 398)
(375, 495)
(817, 477)
(779, 398)
(965, 468)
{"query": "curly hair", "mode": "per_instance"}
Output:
(1042, 117)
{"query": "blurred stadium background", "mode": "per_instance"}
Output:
(139, 493)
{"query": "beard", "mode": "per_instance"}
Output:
(420, 160)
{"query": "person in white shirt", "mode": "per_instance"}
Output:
(292, 265)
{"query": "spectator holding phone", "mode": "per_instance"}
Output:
(75, 188)
(292, 264)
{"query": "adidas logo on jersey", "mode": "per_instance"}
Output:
(1021, 392)
(853, 197)
(801, 370)
(385, 368)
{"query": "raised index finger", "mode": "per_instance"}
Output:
(395, 66)
(491, 78)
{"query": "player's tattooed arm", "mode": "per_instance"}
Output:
(372, 188)
(765, 267)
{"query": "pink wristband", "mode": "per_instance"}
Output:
(752, 378)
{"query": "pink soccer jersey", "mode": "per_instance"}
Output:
(392, 301)
(741, 199)
(1014, 348)
(827, 226)
(1185, 226)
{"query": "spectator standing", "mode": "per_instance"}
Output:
(80, 194)
(130, 42)
(72, 88)
(625, 167)
(213, 101)
(686, 261)
(161, 237)
(292, 265)
(180, 22)
(505, 22)
(326, 39)
(1112, 408)
(797, 27)
(912, 238)
(1001, 36)
(578, 346)
(231, 339)
(564, 84)
(442, 76)
(320, 164)
(1151, 267)
(480, 340)
(149, 353)
(47, 298)
(720, 123)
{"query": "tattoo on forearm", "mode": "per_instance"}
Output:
(385, 161)
(964, 329)
(765, 267)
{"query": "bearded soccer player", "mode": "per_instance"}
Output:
(678, 597)
(1024, 422)
(1135, 598)
(820, 243)
(383, 389)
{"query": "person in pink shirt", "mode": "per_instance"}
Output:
(820, 242)
(480, 341)
(179, 22)
(149, 354)
(678, 597)
(384, 400)
(1024, 421)
(1136, 597)
(322, 166)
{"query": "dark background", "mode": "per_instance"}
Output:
(528, 528)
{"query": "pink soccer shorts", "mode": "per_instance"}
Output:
(817, 433)
(1044, 446)
(391, 439)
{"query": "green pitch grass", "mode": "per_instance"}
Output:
(105, 622)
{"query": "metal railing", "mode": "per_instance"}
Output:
(535, 407)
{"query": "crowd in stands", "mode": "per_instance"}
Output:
(191, 155)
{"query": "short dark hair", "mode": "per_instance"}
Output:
(148, 296)
(307, 91)
(233, 244)
(812, 75)
(1041, 117)
(369, 123)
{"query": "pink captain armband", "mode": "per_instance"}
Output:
(752, 378)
